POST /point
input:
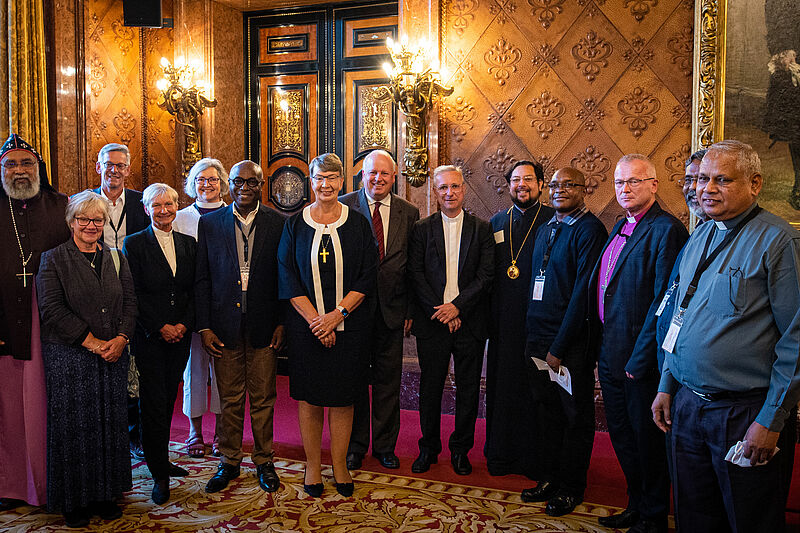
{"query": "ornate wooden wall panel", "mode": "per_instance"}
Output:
(567, 82)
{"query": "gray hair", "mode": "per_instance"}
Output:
(326, 163)
(114, 147)
(697, 156)
(383, 153)
(630, 158)
(747, 160)
(256, 168)
(154, 190)
(447, 168)
(84, 202)
(190, 187)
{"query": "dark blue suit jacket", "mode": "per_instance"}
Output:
(218, 294)
(634, 292)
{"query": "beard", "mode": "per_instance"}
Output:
(694, 207)
(21, 190)
(524, 205)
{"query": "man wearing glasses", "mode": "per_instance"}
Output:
(689, 185)
(239, 319)
(31, 222)
(126, 216)
(564, 254)
(510, 422)
(451, 263)
(626, 287)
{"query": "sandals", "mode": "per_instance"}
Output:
(195, 446)
(215, 447)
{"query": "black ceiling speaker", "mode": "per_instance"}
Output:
(142, 13)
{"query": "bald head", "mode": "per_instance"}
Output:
(378, 174)
(572, 174)
(567, 188)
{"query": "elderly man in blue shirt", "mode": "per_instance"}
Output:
(730, 376)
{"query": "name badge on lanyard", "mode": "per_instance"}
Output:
(244, 271)
(672, 334)
(538, 288)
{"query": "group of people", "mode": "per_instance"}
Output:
(698, 337)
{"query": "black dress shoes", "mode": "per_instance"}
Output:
(177, 471)
(77, 517)
(354, 460)
(267, 477)
(561, 504)
(6, 504)
(387, 460)
(648, 526)
(160, 491)
(423, 462)
(626, 518)
(225, 473)
(136, 451)
(461, 464)
(345, 489)
(543, 491)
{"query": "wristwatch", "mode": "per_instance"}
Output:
(343, 310)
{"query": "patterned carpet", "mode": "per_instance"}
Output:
(381, 503)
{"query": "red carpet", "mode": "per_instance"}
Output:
(606, 482)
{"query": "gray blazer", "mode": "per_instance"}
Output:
(393, 289)
(74, 300)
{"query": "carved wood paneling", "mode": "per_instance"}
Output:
(283, 44)
(367, 37)
(567, 82)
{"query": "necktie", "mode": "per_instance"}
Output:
(377, 228)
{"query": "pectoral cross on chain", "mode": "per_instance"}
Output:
(324, 253)
(24, 275)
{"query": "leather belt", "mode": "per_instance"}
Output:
(730, 395)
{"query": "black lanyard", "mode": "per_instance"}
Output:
(551, 239)
(246, 237)
(119, 224)
(705, 262)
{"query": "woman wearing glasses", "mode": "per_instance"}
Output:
(328, 263)
(207, 183)
(88, 309)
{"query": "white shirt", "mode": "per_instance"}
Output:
(167, 243)
(385, 206)
(452, 249)
(187, 219)
(111, 238)
(251, 216)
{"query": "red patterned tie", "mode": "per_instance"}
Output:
(377, 228)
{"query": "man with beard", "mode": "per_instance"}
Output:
(31, 222)
(689, 185)
(510, 424)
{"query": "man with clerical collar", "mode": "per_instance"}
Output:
(511, 431)
(451, 262)
(626, 287)
(730, 380)
(564, 255)
(240, 318)
(392, 218)
(689, 185)
(31, 222)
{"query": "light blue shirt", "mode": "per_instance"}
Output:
(741, 330)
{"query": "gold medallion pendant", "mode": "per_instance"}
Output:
(513, 271)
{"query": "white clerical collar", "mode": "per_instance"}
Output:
(162, 235)
(455, 219)
(250, 216)
(121, 198)
(387, 200)
(209, 205)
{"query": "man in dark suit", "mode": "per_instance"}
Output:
(392, 219)
(451, 263)
(626, 286)
(126, 217)
(239, 319)
(162, 263)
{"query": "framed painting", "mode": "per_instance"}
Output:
(747, 87)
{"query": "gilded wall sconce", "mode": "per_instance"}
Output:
(414, 86)
(182, 98)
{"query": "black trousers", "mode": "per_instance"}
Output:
(712, 494)
(434, 360)
(382, 368)
(638, 443)
(161, 366)
(567, 427)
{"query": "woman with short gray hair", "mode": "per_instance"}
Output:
(208, 183)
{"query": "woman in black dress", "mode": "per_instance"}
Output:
(88, 309)
(328, 264)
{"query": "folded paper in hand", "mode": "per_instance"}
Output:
(736, 456)
(563, 378)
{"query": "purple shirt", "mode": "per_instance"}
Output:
(610, 256)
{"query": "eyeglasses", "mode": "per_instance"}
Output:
(210, 181)
(27, 163)
(83, 222)
(633, 182)
(320, 179)
(688, 180)
(121, 167)
(566, 186)
(252, 183)
(454, 187)
(516, 180)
